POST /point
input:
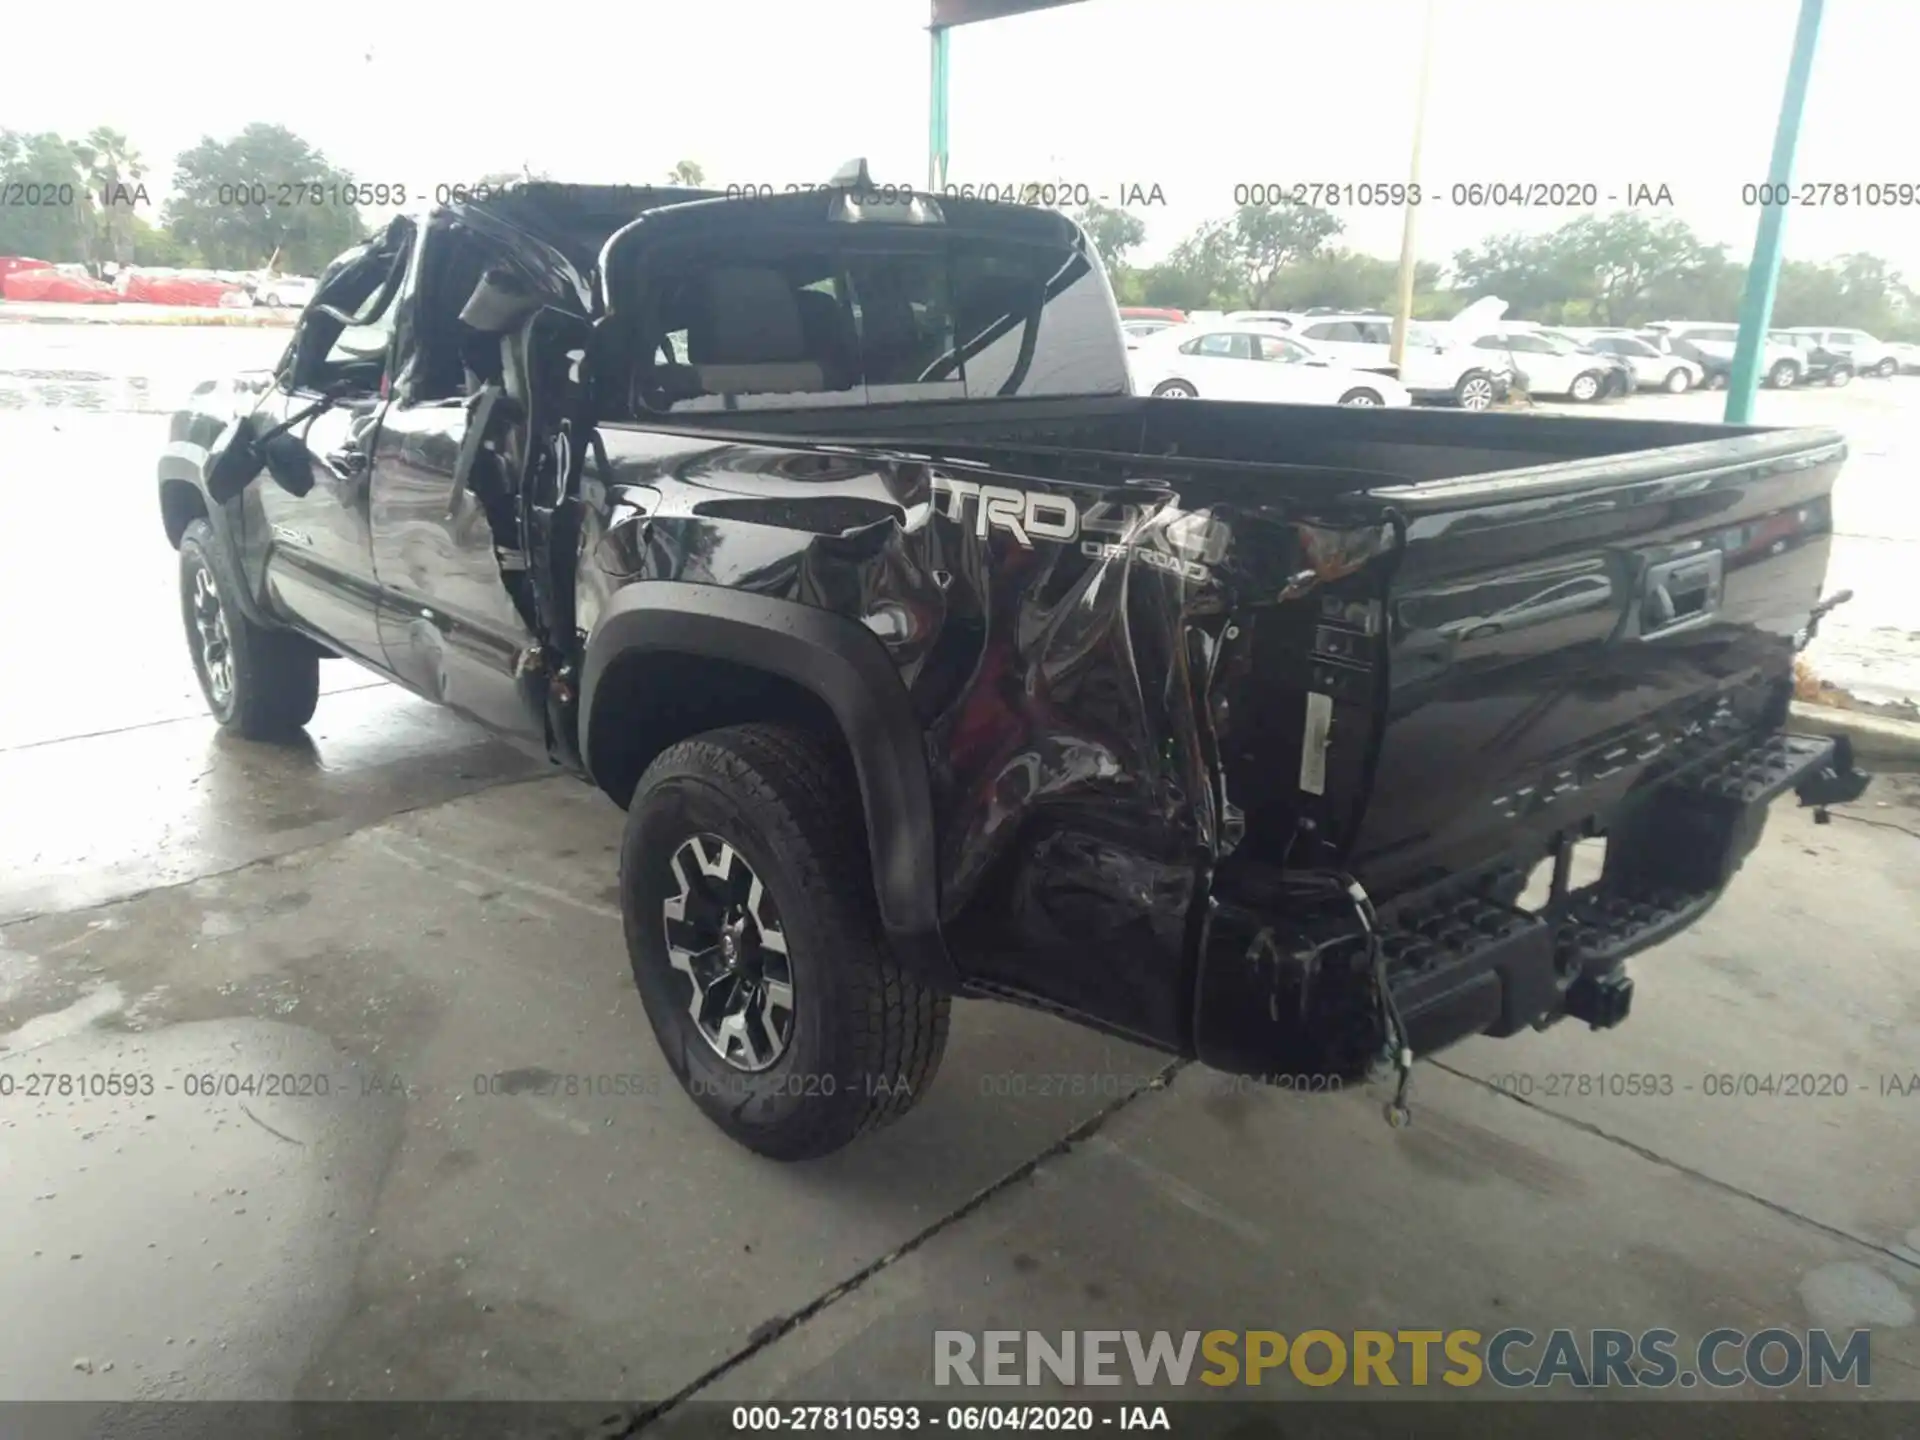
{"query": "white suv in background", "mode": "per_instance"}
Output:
(1781, 366)
(1434, 366)
(1869, 356)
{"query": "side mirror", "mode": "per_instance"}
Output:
(236, 461)
(247, 447)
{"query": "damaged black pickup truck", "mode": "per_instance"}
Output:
(822, 532)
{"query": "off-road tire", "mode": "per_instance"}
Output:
(276, 673)
(866, 1036)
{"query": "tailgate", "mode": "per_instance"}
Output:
(1559, 636)
(1546, 640)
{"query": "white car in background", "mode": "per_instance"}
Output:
(1134, 331)
(1550, 364)
(1869, 356)
(285, 291)
(1653, 369)
(1437, 364)
(1218, 361)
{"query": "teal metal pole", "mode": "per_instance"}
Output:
(937, 118)
(1756, 308)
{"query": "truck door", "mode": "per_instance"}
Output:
(450, 626)
(319, 568)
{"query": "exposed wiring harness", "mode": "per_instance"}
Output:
(1399, 1115)
(1393, 1025)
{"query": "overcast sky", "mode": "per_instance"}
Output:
(1193, 95)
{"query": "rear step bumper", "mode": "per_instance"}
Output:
(1473, 965)
(1462, 959)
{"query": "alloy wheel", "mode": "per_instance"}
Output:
(724, 934)
(213, 645)
(1476, 393)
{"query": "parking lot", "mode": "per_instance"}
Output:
(500, 1192)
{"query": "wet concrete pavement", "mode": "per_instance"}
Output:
(484, 1182)
(502, 1193)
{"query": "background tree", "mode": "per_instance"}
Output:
(227, 202)
(1526, 271)
(1856, 290)
(687, 173)
(1113, 232)
(1345, 279)
(1615, 260)
(1201, 273)
(1712, 286)
(1266, 239)
(114, 172)
(51, 216)
(152, 245)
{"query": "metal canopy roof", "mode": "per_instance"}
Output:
(948, 13)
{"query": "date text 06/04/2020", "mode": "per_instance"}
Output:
(1468, 194)
(911, 1416)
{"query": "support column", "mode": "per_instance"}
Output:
(1403, 302)
(1756, 308)
(937, 115)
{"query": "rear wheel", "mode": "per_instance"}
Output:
(1474, 390)
(1841, 375)
(1678, 381)
(1887, 369)
(1585, 387)
(1175, 390)
(1362, 396)
(757, 946)
(259, 683)
(1783, 375)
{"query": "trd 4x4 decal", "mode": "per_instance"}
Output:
(1158, 533)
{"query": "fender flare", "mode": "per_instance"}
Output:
(849, 670)
(185, 461)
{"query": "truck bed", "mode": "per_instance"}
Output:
(1410, 446)
(1422, 649)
